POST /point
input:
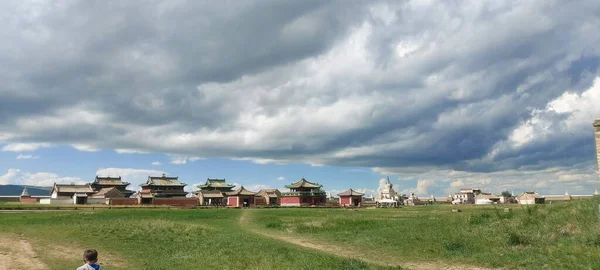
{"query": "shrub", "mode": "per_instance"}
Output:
(479, 219)
(593, 241)
(456, 246)
(515, 239)
(278, 224)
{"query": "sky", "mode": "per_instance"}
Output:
(437, 95)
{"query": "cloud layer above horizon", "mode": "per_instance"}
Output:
(402, 87)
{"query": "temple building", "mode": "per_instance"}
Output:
(108, 182)
(216, 184)
(412, 200)
(161, 187)
(78, 193)
(268, 197)
(241, 197)
(303, 193)
(350, 198)
(213, 192)
(530, 197)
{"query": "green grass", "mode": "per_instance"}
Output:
(164, 239)
(547, 236)
(563, 235)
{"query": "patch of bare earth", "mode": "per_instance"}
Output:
(105, 259)
(351, 253)
(16, 253)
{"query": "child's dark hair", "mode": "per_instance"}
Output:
(90, 255)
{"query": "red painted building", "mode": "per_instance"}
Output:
(303, 193)
(350, 198)
(240, 197)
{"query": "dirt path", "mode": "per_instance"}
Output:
(382, 260)
(17, 253)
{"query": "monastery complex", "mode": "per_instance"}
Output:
(169, 190)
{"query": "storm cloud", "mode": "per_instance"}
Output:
(400, 86)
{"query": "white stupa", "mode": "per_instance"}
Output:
(386, 193)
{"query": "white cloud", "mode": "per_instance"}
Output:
(130, 151)
(21, 156)
(24, 147)
(18, 177)
(85, 147)
(156, 163)
(180, 160)
(280, 178)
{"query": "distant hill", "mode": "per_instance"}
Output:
(15, 190)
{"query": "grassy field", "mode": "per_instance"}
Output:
(548, 236)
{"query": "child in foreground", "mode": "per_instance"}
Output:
(90, 259)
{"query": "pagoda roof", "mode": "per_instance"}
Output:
(241, 191)
(107, 180)
(271, 193)
(163, 181)
(216, 183)
(351, 192)
(304, 183)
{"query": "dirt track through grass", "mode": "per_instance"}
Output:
(17, 253)
(383, 260)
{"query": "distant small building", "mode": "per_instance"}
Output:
(466, 195)
(350, 197)
(412, 200)
(111, 182)
(241, 197)
(269, 196)
(487, 198)
(108, 193)
(530, 197)
(303, 192)
(161, 187)
(78, 193)
(210, 197)
(26, 198)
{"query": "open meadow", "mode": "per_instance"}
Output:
(555, 236)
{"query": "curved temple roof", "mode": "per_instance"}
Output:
(304, 183)
(350, 192)
(241, 191)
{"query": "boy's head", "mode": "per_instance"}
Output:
(90, 255)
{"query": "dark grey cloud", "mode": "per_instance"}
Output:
(390, 84)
